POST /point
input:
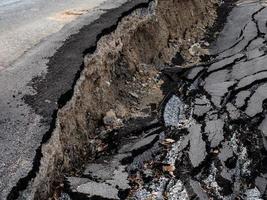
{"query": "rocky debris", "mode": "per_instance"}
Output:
(155, 190)
(120, 111)
(142, 159)
(133, 94)
(107, 177)
(106, 169)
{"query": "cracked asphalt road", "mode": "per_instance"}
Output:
(226, 157)
(25, 126)
(216, 148)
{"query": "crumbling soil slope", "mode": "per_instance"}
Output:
(120, 80)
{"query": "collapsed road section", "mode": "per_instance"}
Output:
(33, 89)
(137, 125)
(119, 80)
(209, 141)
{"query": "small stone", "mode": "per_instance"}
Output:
(216, 151)
(108, 83)
(206, 44)
(102, 147)
(110, 118)
(47, 101)
(169, 168)
(169, 141)
(133, 94)
(120, 111)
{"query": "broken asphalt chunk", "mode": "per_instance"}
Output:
(197, 151)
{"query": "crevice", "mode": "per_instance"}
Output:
(228, 66)
(259, 34)
(240, 39)
(236, 91)
(22, 184)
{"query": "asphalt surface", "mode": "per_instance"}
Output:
(39, 77)
(24, 23)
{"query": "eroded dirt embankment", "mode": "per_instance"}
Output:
(120, 80)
